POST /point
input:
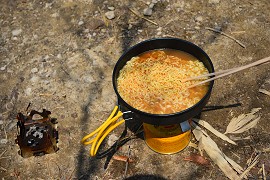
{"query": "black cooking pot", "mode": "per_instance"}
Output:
(163, 43)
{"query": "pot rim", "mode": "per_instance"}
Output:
(133, 109)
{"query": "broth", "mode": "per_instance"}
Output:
(151, 82)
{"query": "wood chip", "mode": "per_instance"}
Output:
(122, 158)
(243, 122)
(226, 165)
(213, 130)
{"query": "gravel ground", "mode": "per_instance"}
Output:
(59, 55)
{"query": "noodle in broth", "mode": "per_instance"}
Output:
(151, 82)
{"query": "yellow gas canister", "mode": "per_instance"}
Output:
(167, 139)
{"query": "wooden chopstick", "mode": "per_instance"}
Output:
(207, 75)
(233, 70)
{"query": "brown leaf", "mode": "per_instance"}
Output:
(122, 158)
(196, 158)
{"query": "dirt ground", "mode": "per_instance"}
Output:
(59, 55)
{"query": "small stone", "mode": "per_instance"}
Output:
(111, 8)
(3, 68)
(28, 91)
(159, 33)
(199, 19)
(54, 15)
(140, 30)
(15, 38)
(94, 34)
(154, 1)
(129, 26)
(59, 56)
(34, 70)
(80, 23)
(16, 32)
(147, 12)
(111, 140)
(1, 122)
(214, 1)
(3, 141)
(151, 5)
(197, 27)
(35, 36)
(159, 29)
(110, 15)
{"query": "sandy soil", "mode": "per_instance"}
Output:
(59, 55)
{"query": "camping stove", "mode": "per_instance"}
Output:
(167, 139)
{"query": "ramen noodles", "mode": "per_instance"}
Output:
(153, 81)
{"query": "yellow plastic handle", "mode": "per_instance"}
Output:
(109, 125)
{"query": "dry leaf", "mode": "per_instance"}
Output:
(243, 122)
(215, 154)
(197, 159)
(264, 91)
(213, 130)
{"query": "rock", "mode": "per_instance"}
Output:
(3, 68)
(129, 26)
(151, 5)
(80, 23)
(159, 29)
(28, 91)
(159, 33)
(3, 141)
(111, 140)
(34, 70)
(111, 8)
(147, 12)
(214, 1)
(1, 122)
(94, 24)
(199, 19)
(154, 1)
(16, 32)
(110, 15)
(197, 27)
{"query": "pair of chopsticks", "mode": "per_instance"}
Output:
(225, 72)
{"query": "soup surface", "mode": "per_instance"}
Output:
(153, 81)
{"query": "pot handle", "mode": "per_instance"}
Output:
(103, 130)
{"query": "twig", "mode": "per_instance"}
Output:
(263, 172)
(217, 31)
(103, 17)
(135, 13)
(264, 91)
(234, 70)
(125, 174)
(4, 169)
(2, 153)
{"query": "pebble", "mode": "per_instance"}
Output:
(3, 68)
(80, 23)
(34, 70)
(3, 141)
(111, 8)
(199, 19)
(111, 140)
(147, 11)
(1, 122)
(214, 1)
(16, 32)
(151, 5)
(140, 30)
(159, 33)
(28, 91)
(110, 15)
(197, 27)
(129, 26)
